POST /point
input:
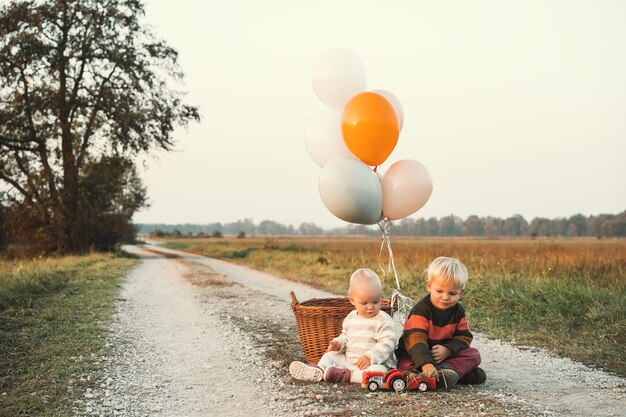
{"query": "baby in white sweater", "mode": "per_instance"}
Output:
(367, 340)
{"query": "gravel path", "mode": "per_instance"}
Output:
(194, 336)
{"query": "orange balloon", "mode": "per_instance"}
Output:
(370, 128)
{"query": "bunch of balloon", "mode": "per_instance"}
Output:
(358, 130)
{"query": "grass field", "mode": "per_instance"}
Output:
(51, 323)
(565, 295)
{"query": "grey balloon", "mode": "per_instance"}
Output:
(351, 191)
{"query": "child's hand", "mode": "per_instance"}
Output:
(429, 369)
(440, 353)
(334, 345)
(363, 362)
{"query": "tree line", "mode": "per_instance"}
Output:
(578, 225)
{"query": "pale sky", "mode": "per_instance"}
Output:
(515, 107)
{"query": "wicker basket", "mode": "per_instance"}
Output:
(319, 321)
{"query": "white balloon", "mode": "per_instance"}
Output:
(338, 75)
(351, 191)
(391, 98)
(407, 186)
(323, 138)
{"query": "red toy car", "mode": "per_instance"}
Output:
(397, 380)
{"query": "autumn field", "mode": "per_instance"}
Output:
(567, 295)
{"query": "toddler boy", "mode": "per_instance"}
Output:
(436, 338)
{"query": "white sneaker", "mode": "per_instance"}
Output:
(305, 371)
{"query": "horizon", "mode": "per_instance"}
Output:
(348, 225)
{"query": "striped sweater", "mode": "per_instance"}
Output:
(375, 337)
(427, 326)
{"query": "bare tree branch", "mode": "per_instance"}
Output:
(14, 144)
(17, 186)
(92, 118)
(78, 80)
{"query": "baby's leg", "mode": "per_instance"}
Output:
(357, 375)
(339, 360)
(334, 358)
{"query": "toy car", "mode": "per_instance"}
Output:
(397, 380)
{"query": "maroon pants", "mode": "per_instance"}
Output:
(467, 360)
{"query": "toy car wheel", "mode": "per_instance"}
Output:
(372, 386)
(398, 384)
(422, 387)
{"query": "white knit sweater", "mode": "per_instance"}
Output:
(375, 337)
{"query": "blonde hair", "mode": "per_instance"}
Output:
(447, 270)
(364, 276)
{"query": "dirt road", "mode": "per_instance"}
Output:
(194, 336)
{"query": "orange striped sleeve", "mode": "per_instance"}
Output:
(416, 322)
(462, 324)
(413, 339)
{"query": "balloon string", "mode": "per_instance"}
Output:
(385, 225)
(401, 305)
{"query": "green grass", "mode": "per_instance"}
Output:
(568, 296)
(52, 316)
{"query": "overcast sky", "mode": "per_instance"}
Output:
(513, 106)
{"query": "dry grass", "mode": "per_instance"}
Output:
(204, 278)
(52, 312)
(565, 295)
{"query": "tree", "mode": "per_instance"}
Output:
(473, 226)
(270, 227)
(245, 225)
(420, 227)
(406, 227)
(577, 225)
(515, 226)
(539, 226)
(558, 227)
(3, 233)
(110, 192)
(616, 226)
(432, 227)
(310, 229)
(596, 223)
(492, 226)
(79, 81)
(450, 226)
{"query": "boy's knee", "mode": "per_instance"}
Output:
(474, 354)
